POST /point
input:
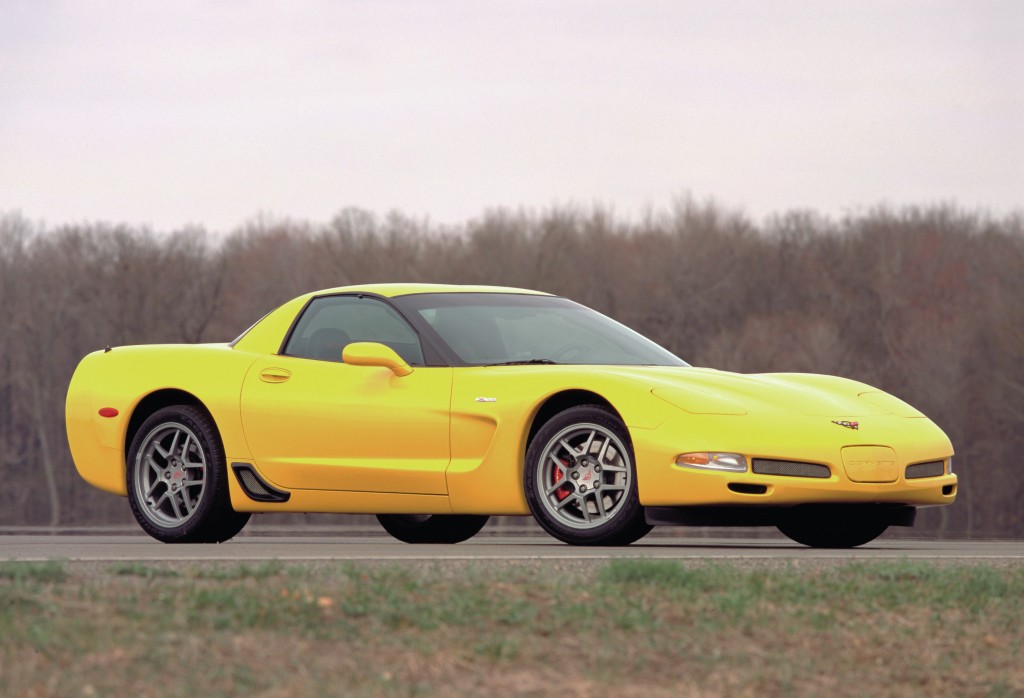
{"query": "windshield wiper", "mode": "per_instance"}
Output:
(524, 362)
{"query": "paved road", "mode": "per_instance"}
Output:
(505, 547)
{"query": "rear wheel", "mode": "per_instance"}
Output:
(580, 479)
(177, 479)
(832, 531)
(432, 528)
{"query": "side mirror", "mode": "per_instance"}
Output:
(375, 354)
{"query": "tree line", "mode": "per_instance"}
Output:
(924, 302)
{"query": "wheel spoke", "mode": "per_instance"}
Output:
(188, 503)
(551, 490)
(190, 483)
(590, 439)
(583, 507)
(157, 503)
(184, 446)
(604, 450)
(565, 502)
(174, 442)
(152, 488)
(568, 447)
(155, 467)
(599, 499)
(174, 505)
(614, 468)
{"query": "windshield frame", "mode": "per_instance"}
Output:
(410, 305)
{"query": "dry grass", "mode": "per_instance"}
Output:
(626, 628)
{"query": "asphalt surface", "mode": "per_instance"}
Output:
(500, 547)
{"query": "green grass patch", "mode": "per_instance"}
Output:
(137, 569)
(45, 572)
(242, 571)
(650, 627)
(667, 574)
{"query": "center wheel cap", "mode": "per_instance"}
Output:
(585, 476)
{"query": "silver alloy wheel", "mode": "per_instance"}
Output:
(583, 476)
(170, 474)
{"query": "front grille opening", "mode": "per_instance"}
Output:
(745, 488)
(764, 466)
(933, 468)
(948, 489)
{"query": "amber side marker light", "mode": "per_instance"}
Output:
(108, 412)
(729, 462)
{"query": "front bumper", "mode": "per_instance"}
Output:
(816, 440)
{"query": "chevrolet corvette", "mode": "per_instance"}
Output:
(435, 407)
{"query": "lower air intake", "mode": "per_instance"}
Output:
(787, 468)
(930, 469)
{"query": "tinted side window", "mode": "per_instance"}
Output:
(330, 323)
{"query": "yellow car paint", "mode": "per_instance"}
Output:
(123, 377)
(374, 354)
(333, 426)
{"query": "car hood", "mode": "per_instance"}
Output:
(708, 391)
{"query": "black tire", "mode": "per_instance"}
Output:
(432, 528)
(832, 531)
(178, 481)
(613, 516)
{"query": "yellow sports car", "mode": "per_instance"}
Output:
(437, 406)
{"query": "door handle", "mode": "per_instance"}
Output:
(275, 375)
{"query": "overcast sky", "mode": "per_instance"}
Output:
(167, 113)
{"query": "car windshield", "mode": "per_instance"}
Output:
(506, 328)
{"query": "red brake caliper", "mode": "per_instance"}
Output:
(563, 491)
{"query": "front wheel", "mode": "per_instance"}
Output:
(177, 479)
(432, 528)
(832, 532)
(580, 479)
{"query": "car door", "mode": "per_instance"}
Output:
(313, 422)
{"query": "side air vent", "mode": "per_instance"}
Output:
(930, 469)
(763, 466)
(255, 487)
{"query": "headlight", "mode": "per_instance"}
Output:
(729, 462)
